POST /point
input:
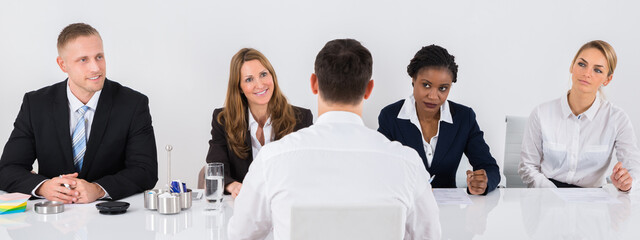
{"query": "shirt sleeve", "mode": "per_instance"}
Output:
(252, 210)
(33, 192)
(106, 194)
(531, 154)
(423, 221)
(627, 152)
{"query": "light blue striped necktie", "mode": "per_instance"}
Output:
(79, 139)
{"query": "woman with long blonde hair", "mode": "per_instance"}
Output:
(255, 113)
(569, 141)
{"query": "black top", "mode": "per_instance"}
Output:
(236, 168)
(463, 136)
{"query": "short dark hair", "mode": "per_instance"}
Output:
(73, 31)
(433, 56)
(343, 68)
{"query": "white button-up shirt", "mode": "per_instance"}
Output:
(253, 128)
(74, 115)
(336, 161)
(408, 111)
(577, 149)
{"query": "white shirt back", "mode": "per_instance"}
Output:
(337, 160)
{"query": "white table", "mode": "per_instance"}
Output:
(520, 213)
(503, 214)
(83, 221)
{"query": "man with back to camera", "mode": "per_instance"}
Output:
(92, 137)
(338, 160)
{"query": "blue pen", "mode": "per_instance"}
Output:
(431, 179)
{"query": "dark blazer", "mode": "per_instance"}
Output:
(121, 151)
(463, 136)
(235, 168)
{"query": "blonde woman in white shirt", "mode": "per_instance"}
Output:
(569, 141)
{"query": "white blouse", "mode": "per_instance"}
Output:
(409, 112)
(253, 128)
(577, 149)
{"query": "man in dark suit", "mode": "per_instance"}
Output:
(92, 137)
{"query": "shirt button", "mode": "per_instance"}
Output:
(429, 154)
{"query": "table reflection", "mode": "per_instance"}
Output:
(466, 221)
(547, 216)
(168, 224)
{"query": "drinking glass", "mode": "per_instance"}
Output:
(213, 182)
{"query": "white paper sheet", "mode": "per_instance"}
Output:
(446, 196)
(585, 195)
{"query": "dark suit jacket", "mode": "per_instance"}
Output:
(235, 168)
(121, 151)
(463, 136)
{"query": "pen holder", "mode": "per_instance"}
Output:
(185, 199)
(170, 204)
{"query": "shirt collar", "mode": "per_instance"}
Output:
(590, 113)
(253, 122)
(75, 103)
(339, 116)
(408, 110)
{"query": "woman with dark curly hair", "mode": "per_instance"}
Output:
(440, 130)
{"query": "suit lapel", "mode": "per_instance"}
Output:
(247, 142)
(60, 113)
(100, 121)
(445, 138)
(412, 137)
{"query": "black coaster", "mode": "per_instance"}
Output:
(112, 208)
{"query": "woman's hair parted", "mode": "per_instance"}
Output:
(234, 115)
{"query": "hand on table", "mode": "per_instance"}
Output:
(477, 181)
(54, 189)
(621, 178)
(234, 188)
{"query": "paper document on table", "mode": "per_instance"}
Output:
(451, 196)
(585, 195)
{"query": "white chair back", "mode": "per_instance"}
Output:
(370, 222)
(512, 149)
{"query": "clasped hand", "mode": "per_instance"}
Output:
(69, 188)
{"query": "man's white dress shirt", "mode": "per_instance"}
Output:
(577, 149)
(336, 161)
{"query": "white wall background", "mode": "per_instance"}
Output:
(512, 55)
